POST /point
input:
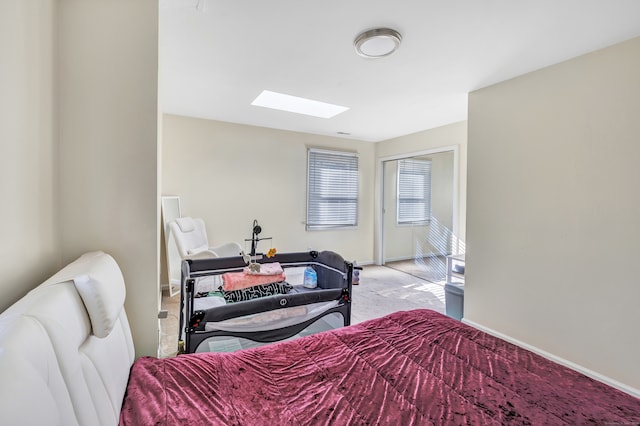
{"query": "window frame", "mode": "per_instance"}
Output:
(323, 193)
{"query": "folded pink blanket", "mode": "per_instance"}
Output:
(239, 280)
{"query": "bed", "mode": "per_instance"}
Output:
(408, 368)
(67, 358)
(247, 315)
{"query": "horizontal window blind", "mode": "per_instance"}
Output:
(332, 189)
(414, 192)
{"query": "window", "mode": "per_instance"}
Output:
(332, 189)
(414, 192)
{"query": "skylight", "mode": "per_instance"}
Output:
(298, 105)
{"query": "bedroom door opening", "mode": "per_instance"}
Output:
(418, 213)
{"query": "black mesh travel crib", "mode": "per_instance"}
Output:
(210, 323)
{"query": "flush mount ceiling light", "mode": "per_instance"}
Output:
(377, 43)
(298, 105)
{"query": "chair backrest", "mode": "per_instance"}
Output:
(190, 235)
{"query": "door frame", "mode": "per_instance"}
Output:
(379, 216)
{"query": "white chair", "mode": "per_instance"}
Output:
(191, 240)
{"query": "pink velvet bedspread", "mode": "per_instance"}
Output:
(408, 368)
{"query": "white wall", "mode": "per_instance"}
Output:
(442, 171)
(78, 159)
(230, 174)
(553, 225)
(29, 251)
(398, 239)
(108, 159)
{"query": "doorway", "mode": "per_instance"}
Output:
(418, 213)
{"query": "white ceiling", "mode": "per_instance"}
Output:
(216, 56)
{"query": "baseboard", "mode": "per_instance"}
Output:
(587, 372)
(398, 259)
(401, 258)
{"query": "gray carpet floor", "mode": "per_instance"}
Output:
(433, 269)
(384, 290)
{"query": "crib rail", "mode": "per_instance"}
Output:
(334, 284)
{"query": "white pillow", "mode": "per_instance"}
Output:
(186, 224)
(103, 292)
